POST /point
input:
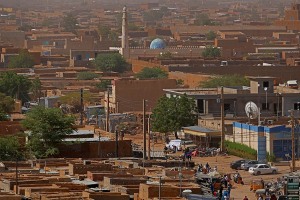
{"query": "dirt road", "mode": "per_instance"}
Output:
(223, 165)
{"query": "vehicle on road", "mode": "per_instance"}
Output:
(256, 185)
(176, 143)
(237, 164)
(262, 169)
(248, 164)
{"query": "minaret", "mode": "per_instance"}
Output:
(125, 43)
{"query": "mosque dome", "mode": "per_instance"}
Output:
(158, 44)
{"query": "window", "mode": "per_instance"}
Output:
(226, 107)
(78, 57)
(261, 166)
(265, 106)
(297, 106)
(265, 84)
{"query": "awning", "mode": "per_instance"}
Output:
(201, 131)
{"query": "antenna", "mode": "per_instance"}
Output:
(251, 110)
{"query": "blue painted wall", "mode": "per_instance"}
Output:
(281, 139)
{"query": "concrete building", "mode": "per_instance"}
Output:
(273, 101)
(291, 18)
(273, 140)
(128, 94)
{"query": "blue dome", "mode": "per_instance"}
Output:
(157, 44)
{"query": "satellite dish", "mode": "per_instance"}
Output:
(251, 110)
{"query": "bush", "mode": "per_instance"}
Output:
(87, 76)
(271, 157)
(240, 150)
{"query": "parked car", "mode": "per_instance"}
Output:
(248, 164)
(237, 164)
(262, 169)
(176, 143)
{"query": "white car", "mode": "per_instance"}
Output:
(262, 169)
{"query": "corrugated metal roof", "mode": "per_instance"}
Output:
(200, 129)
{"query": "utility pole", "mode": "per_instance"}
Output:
(159, 188)
(81, 106)
(99, 140)
(144, 129)
(17, 183)
(180, 182)
(107, 112)
(117, 144)
(117, 107)
(222, 121)
(293, 140)
(149, 138)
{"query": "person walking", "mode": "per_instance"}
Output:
(221, 192)
(229, 189)
(245, 198)
(207, 166)
(226, 180)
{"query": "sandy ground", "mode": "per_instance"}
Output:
(223, 164)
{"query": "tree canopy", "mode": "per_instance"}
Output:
(10, 149)
(7, 104)
(87, 75)
(35, 88)
(171, 114)
(48, 127)
(211, 35)
(23, 60)
(73, 99)
(110, 62)
(154, 73)
(211, 52)
(70, 23)
(103, 84)
(15, 86)
(204, 20)
(153, 15)
(226, 80)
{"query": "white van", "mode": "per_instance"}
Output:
(292, 84)
(177, 143)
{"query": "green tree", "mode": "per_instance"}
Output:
(70, 23)
(23, 60)
(73, 99)
(35, 88)
(48, 127)
(15, 86)
(104, 31)
(154, 73)
(202, 20)
(10, 149)
(25, 27)
(211, 52)
(226, 80)
(103, 84)
(133, 27)
(7, 104)
(153, 15)
(87, 75)
(110, 62)
(171, 114)
(211, 35)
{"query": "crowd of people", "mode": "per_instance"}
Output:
(220, 187)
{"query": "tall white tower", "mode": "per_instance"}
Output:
(125, 43)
